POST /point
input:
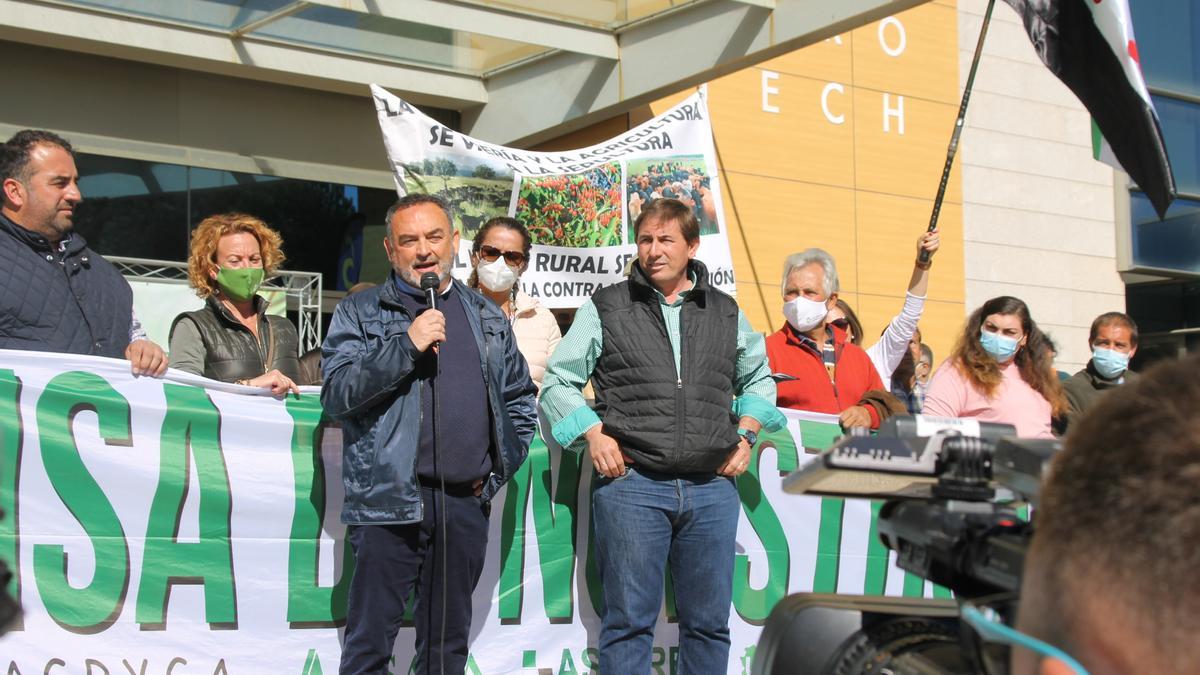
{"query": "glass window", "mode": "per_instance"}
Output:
(311, 217)
(1173, 243)
(139, 209)
(220, 14)
(133, 208)
(1181, 129)
(1168, 43)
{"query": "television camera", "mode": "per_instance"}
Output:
(954, 492)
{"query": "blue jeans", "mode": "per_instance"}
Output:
(641, 522)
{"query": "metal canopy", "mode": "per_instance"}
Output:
(520, 71)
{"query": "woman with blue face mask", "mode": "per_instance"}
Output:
(1001, 370)
(232, 338)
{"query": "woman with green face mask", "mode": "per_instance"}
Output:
(232, 338)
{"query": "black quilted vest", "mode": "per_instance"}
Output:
(233, 353)
(73, 302)
(672, 424)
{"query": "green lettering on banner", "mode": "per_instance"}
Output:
(308, 601)
(555, 529)
(829, 545)
(566, 665)
(11, 435)
(191, 430)
(877, 556)
(592, 574)
(752, 604)
(787, 454)
(312, 664)
(669, 595)
(914, 586)
(664, 661)
(819, 436)
(95, 606)
(590, 658)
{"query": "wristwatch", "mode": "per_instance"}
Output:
(750, 436)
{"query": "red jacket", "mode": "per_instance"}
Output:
(811, 390)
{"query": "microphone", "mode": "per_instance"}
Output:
(429, 284)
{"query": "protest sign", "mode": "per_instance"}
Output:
(579, 205)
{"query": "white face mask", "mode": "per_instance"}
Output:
(804, 314)
(496, 276)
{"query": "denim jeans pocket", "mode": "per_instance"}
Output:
(623, 476)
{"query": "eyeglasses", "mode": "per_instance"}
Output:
(490, 253)
(996, 638)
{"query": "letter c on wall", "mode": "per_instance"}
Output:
(832, 86)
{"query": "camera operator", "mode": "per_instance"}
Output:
(1111, 575)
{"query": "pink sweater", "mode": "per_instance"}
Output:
(1015, 402)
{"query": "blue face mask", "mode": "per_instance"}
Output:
(1109, 363)
(998, 346)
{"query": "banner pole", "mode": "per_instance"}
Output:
(958, 127)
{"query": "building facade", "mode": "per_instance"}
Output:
(838, 144)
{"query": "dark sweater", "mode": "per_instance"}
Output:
(464, 441)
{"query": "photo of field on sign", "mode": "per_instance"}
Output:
(577, 210)
(475, 191)
(683, 177)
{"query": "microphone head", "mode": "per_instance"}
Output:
(430, 281)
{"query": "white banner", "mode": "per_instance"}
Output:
(579, 205)
(186, 526)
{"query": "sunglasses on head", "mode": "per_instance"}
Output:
(490, 253)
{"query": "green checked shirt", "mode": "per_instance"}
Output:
(575, 357)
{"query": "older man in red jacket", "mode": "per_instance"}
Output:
(816, 368)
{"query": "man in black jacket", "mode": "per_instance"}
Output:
(437, 412)
(57, 295)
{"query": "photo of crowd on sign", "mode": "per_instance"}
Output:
(575, 210)
(475, 192)
(683, 177)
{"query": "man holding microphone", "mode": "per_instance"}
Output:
(419, 480)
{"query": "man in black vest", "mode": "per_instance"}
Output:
(682, 389)
(56, 294)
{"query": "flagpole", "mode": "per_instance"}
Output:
(958, 127)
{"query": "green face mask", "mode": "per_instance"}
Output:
(240, 284)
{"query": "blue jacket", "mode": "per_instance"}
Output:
(74, 302)
(368, 361)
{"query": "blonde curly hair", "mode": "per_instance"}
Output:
(208, 233)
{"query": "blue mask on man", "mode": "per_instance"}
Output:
(999, 347)
(1109, 362)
